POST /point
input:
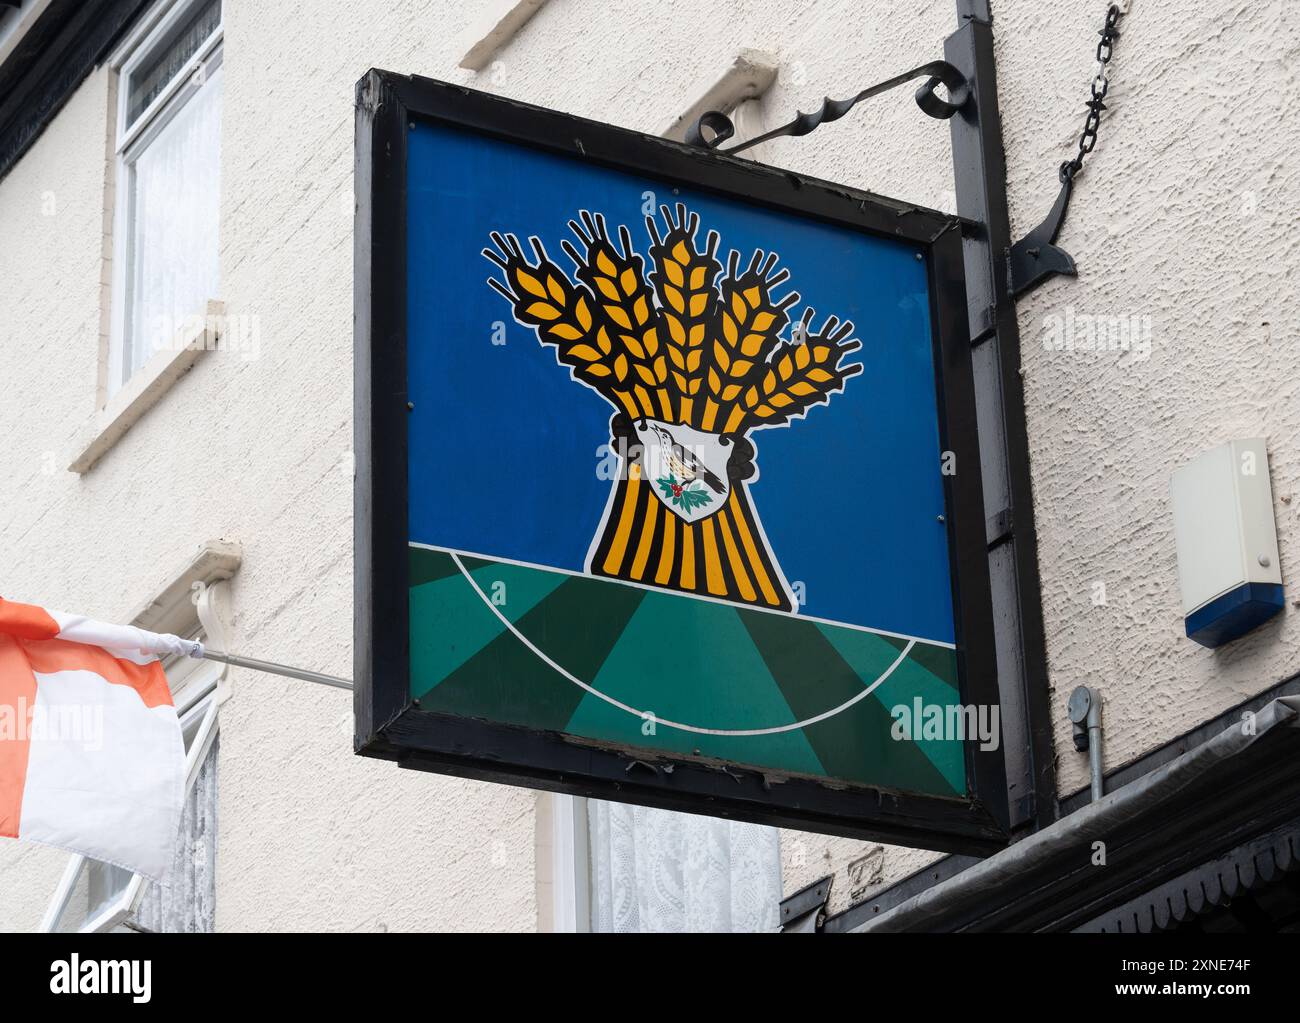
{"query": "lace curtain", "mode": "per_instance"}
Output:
(175, 206)
(655, 870)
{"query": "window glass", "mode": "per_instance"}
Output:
(659, 871)
(149, 80)
(174, 205)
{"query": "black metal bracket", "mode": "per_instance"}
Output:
(979, 169)
(936, 73)
(1031, 261)
(1037, 257)
(804, 911)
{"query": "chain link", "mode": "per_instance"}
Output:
(1100, 85)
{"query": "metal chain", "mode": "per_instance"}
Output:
(1100, 85)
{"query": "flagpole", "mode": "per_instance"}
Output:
(276, 669)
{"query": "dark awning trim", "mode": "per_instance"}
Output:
(68, 41)
(1207, 799)
(1250, 867)
(945, 867)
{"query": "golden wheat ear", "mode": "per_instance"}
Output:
(747, 327)
(683, 279)
(506, 253)
(798, 374)
(561, 313)
(624, 306)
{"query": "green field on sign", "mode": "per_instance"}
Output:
(595, 658)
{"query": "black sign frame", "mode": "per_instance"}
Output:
(390, 725)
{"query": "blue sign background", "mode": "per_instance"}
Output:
(504, 444)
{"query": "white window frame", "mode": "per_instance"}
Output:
(570, 864)
(132, 139)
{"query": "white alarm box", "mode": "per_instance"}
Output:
(1228, 566)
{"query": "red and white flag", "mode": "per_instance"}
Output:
(91, 755)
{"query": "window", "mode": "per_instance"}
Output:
(168, 163)
(617, 868)
(95, 896)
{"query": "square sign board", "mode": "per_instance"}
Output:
(667, 477)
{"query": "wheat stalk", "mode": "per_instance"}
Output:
(683, 281)
(796, 376)
(747, 328)
(625, 305)
(544, 298)
(690, 337)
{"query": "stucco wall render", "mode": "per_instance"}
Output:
(51, 229)
(1184, 215)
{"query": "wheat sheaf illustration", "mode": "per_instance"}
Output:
(693, 361)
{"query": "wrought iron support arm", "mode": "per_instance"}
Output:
(936, 73)
(1037, 257)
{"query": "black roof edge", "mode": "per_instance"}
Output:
(1253, 866)
(949, 866)
(66, 43)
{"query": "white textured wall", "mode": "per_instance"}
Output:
(1184, 215)
(256, 451)
(52, 548)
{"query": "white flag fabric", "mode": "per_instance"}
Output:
(91, 755)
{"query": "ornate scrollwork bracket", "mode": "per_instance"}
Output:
(936, 73)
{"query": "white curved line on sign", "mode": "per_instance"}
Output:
(542, 656)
